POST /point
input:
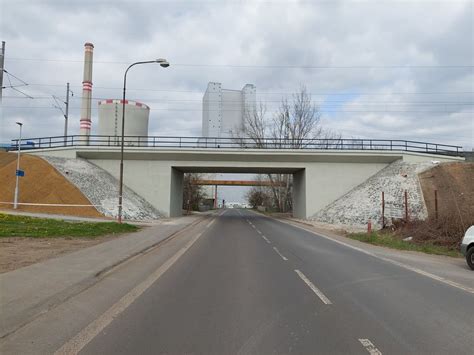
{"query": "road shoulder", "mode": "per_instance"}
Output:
(449, 269)
(33, 290)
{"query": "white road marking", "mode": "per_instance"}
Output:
(278, 252)
(266, 239)
(209, 224)
(78, 342)
(259, 232)
(370, 347)
(418, 271)
(313, 288)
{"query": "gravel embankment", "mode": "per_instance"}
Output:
(101, 189)
(364, 202)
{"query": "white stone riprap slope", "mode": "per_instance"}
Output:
(101, 189)
(364, 202)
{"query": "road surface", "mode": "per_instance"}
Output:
(253, 285)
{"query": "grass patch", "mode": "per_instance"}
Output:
(22, 226)
(392, 241)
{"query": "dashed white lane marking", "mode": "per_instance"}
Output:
(266, 239)
(370, 347)
(418, 271)
(259, 232)
(313, 288)
(75, 344)
(209, 224)
(278, 252)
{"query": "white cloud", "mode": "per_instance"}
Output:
(399, 103)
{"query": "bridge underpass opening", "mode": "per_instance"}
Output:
(228, 188)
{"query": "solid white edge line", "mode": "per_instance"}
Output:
(413, 269)
(313, 288)
(278, 252)
(80, 340)
(370, 347)
(210, 223)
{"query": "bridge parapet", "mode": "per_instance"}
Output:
(161, 142)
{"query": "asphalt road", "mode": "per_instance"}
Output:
(253, 285)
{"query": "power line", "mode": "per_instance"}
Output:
(277, 93)
(261, 66)
(337, 110)
(238, 102)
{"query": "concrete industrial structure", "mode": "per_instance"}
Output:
(110, 119)
(86, 106)
(320, 176)
(224, 111)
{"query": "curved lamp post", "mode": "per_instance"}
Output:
(164, 64)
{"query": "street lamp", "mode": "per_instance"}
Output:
(164, 64)
(15, 203)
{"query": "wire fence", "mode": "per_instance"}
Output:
(438, 206)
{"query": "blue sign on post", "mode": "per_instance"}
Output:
(20, 173)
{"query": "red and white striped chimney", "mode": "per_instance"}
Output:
(86, 106)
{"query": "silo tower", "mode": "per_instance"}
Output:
(136, 121)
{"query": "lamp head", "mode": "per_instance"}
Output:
(19, 124)
(163, 62)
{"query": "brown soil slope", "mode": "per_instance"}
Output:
(41, 184)
(455, 185)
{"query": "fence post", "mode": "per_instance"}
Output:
(406, 206)
(436, 203)
(383, 209)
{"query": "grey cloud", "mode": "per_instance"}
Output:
(321, 34)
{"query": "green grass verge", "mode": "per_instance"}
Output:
(390, 241)
(22, 226)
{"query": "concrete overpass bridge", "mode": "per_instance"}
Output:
(323, 170)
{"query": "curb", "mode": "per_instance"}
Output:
(57, 299)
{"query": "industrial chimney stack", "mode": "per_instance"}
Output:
(86, 122)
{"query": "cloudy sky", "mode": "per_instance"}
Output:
(377, 69)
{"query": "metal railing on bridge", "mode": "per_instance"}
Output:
(238, 143)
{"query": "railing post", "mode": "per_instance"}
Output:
(406, 146)
(50, 142)
(180, 141)
(391, 144)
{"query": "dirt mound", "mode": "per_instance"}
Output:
(455, 190)
(455, 185)
(41, 184)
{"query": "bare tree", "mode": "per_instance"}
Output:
(296, 125)
(192, 193)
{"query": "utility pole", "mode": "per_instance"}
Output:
(18, 173)
(66, 114)
(2, 64)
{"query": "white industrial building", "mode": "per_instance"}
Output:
(224, 110)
